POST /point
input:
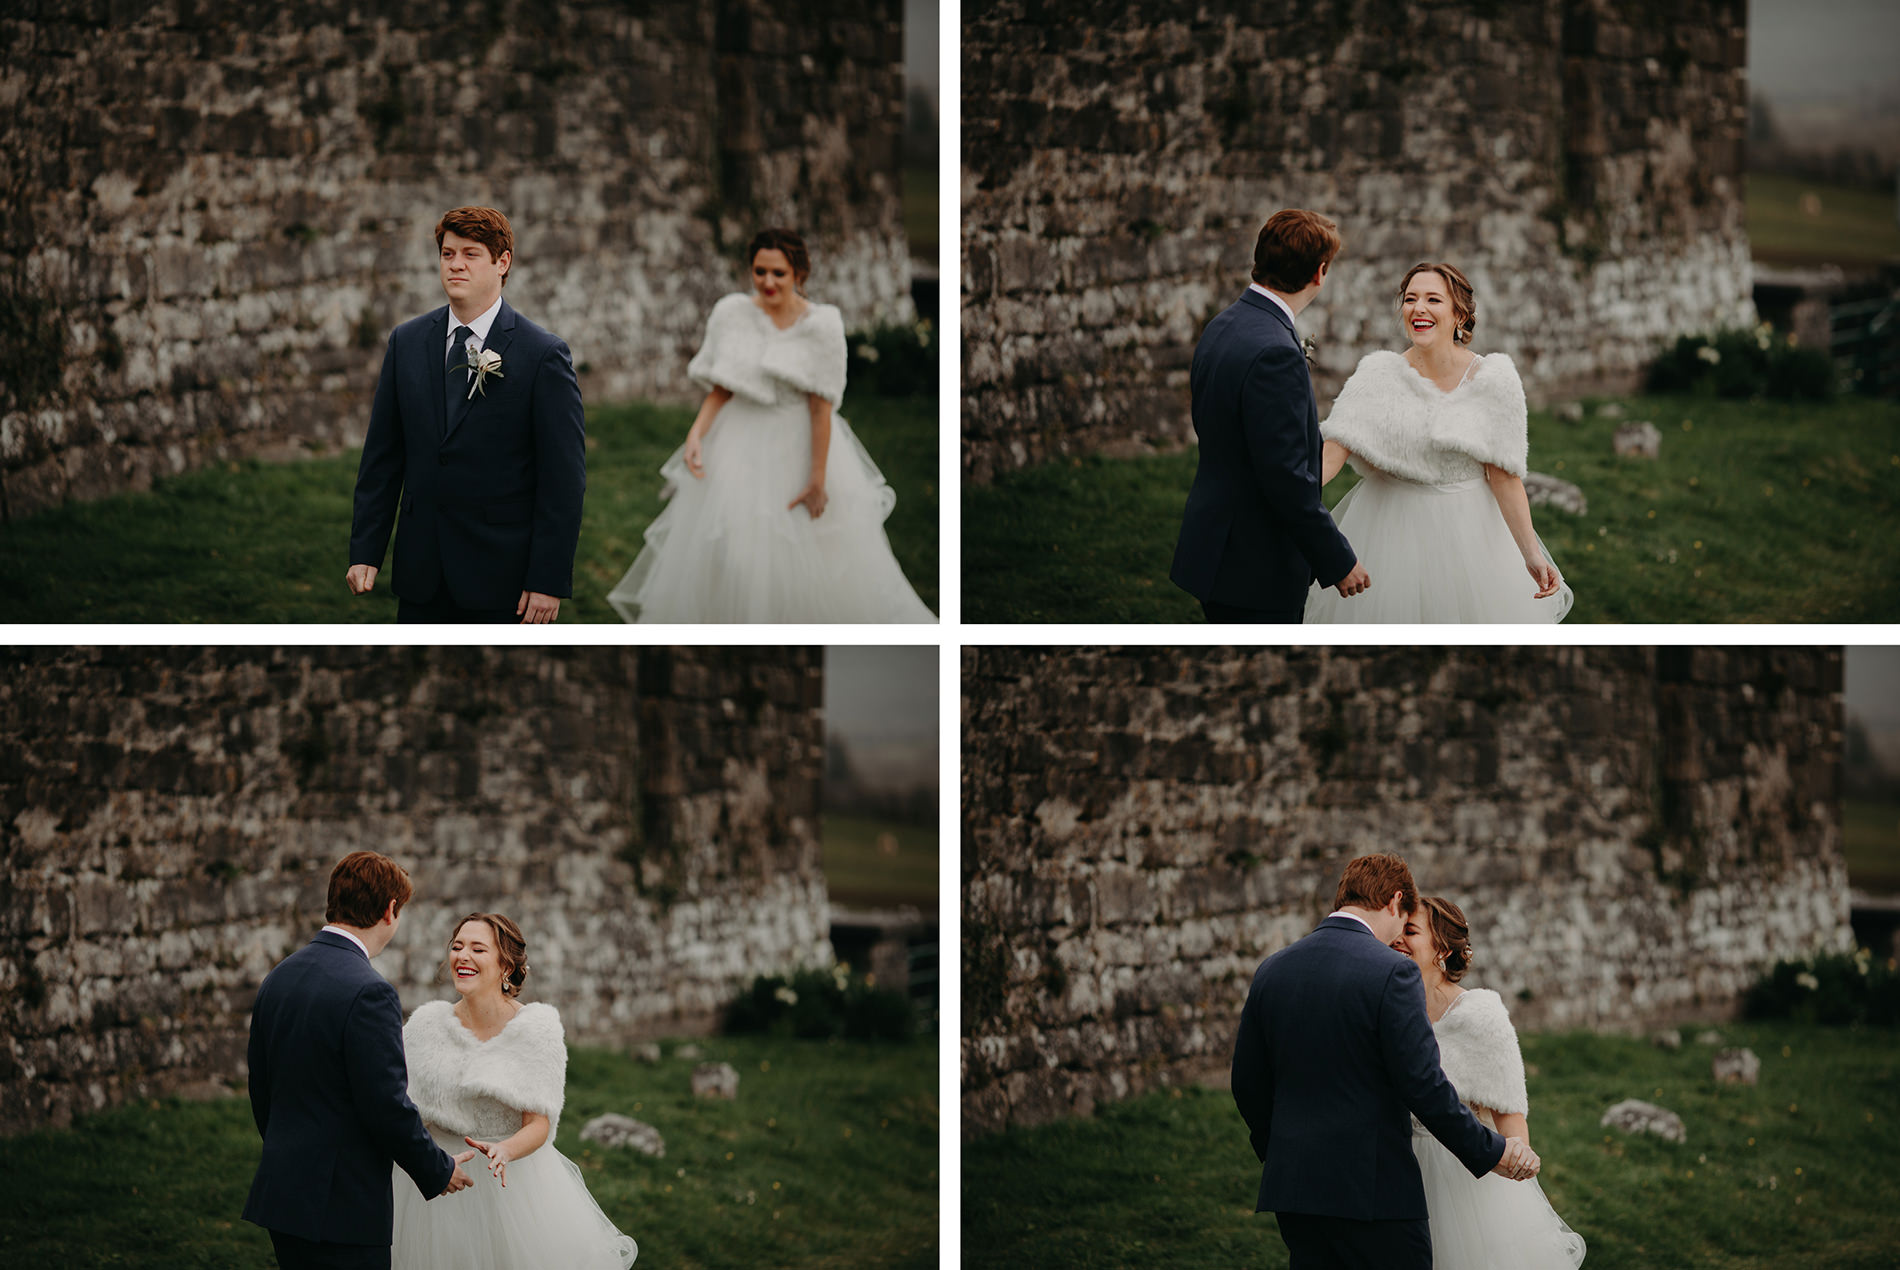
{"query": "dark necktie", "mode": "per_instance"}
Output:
(456, 377)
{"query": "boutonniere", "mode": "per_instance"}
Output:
(1308, 347)
(483, 364)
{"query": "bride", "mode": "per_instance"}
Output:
(489, 1072)
(1438, 434)
(1482, 1223)
(778, 512)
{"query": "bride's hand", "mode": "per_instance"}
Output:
(695, 458)
(498, 1157)
(813, 498)
(1546, 576)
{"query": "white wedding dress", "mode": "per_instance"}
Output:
(1422, 518)
(464, 1086)
(726, 549)
(1489, 1222)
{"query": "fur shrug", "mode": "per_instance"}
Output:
(460, 1083)
(748, 356)
(1477, 1047)
(1400, 423)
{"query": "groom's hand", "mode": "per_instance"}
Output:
(362, 578)
(1355, 582)
(1518, 1161)
(459, 1180)
(535, 608)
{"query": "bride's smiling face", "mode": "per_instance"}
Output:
(1427, 311)
(1416, 942)
(474, 960)
(772, 278)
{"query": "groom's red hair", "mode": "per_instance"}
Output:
(361, 888)
(1293, 244)
(1370, 880)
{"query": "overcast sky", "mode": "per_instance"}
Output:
(882, 702)
(922, 45)
(1871, 692)
(1823, 50)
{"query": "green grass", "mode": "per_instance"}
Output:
(1169, 1180)
(1795, 507)
(256, 542)
(1870, 837)
(1854, 227)
(857, 873)
(827, 1158)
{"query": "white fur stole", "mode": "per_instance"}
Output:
(1477, 1047)
(1399, 422)
(524, 1066)
(748, 356)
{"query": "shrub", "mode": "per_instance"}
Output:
(1739, 363)
(1831, 988)
(895, 361)
(815, 1004)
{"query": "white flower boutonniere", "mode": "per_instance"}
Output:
(483, 364)
(1308, 347)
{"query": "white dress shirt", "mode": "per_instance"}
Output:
(338, 930)
(1354, 916)
(478, 330)
(1284, 306)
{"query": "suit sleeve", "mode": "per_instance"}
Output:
(257, 1061)
(1411, 1060)
(379, 1088)
(1252, 1079)
(560, 455)
(379, 474)
(1283, 463)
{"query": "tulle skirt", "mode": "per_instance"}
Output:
(1436, 553)
(725, 549)
(543, 1217)
(1490, 1222)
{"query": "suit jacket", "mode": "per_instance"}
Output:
(491, 496)
(1334, 1050)
(330, 1094)
(1255, 533)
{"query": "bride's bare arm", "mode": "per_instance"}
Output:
(702, 423)
(1516, 506)
(813, 495)
(1513, 1125)
(1332, 457)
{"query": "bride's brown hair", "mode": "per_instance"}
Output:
(1464, 301)
(510, 947)
(1451, 934)
(778, 238)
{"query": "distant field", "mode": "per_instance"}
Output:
(859, 874)
(1871, 839)
(920, 211)
(1854, 227)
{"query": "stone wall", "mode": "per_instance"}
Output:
(169, 819)
(1634, 833)
(1580, 160)
(211, 215)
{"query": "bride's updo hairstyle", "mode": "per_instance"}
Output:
(1464, 302)
(785, 240)
(510, 947)
(1451, 934)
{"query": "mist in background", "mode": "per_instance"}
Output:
(881, 741)
(1824, 94)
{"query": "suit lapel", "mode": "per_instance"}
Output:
(438, 351)
(500, 333)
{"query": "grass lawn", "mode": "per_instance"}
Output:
(256, 542)
(827, 1158)
(1870, 834)
(858, 874)
(1756, 512)
(1853, 227)
(1795, 1171)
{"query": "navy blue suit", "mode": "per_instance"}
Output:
(490, 495)
(330, 1093)
(1255, 533)
(1335, 1049)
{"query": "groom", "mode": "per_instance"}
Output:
(1255, 533)
(1334, 1050)
(476, 434)
(330, 1087)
